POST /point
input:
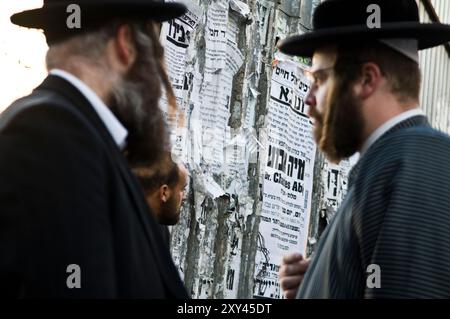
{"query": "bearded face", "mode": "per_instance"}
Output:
(336, 110)
(170, 211)
(339, 131)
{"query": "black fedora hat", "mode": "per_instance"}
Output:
(52, 17)
(345, 21)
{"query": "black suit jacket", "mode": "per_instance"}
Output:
(68, 197)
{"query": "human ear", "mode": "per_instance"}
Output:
(125, 48)
(370, 79)
(164, 193)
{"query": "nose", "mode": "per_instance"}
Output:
(311, 98)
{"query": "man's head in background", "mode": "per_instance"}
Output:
(164, 186)
(121, 59)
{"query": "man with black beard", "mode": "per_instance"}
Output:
(74, 222)
(164, 185)
(389, 238)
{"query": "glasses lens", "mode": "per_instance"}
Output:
(310, 77)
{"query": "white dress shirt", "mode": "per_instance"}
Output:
(387, 126)
(115, 128)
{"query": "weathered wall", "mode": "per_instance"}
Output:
(435, 65)
(229, 241)
(225, 99)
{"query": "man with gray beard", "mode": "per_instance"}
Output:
(83, 228)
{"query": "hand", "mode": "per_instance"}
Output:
(292, 271)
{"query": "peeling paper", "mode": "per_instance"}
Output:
(216, 35)
(255, 93)
(247, 203)
(240, 7)
(212, 93)
(196, 138)
(334, 180)
(176, 37)
(249, 119)
(312, 241)
(235, 163)
(214, 267)
(262, 13)
(235, 187)
(212, 188)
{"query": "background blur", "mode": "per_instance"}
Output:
(22, 53)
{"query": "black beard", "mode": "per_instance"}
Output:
(339, 133)
(170, 212)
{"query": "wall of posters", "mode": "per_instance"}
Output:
(288, 175)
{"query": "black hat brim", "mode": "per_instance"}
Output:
(50, 16)
(428, 35)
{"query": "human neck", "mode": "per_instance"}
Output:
(381, 110)
(397, 114)
(93, 76)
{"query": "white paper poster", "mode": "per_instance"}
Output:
(176, 36)
(213, 88)
(335, 181)
(288, 176)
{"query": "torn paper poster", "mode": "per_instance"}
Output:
(334, 179)
(212, 188)
(212, 94)
(216, 34)
(288, 176)
(241, 150)
(235, 154)
(249, 119)
(241, 8)
(232, 258)
(196, 139)
(263, 12)
(176, 37)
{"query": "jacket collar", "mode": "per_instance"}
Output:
(418, 120)
(387, 126)
(115, 128)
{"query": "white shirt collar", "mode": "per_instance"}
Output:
(387, 126)
(115, 128)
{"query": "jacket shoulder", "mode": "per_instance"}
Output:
(44, 111)
(408, 144)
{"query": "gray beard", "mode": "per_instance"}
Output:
(135, 102)
(128, 105)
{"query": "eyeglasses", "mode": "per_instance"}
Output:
(318, 77)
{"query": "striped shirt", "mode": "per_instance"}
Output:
(395, 216)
